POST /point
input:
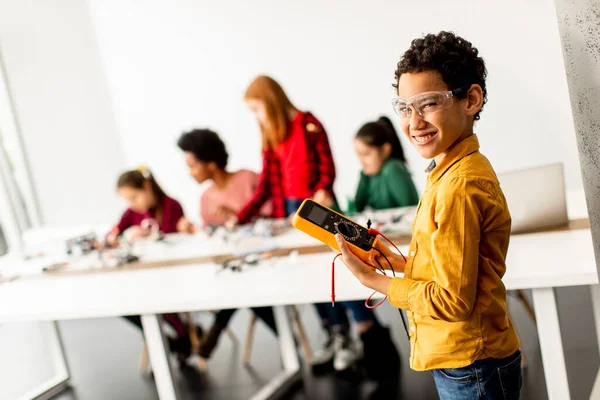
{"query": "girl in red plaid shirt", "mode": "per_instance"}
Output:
(297, 164)
(297, 160)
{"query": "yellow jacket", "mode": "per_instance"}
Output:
(452, 289)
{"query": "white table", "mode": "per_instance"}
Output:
(540, 262)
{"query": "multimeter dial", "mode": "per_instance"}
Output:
(321, 223)
(348, 230)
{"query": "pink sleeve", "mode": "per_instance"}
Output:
(206, 204)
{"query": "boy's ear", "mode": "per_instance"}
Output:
(474, 99)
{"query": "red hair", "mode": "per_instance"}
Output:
(277, 105)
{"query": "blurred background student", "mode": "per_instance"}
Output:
(384, 180)
(297, 159)
(206, 157)
(149, 207)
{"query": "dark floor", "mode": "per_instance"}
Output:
(103, 355)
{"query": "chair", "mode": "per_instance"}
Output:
(297, 325)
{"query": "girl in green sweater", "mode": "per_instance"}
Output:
(384, 181)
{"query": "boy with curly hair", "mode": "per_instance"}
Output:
(452, 287)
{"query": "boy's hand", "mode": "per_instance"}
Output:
(366, 274)
(395, 259)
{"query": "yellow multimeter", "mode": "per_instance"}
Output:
(323, 224)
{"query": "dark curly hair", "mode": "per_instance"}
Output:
(205, 145)
(454, 58)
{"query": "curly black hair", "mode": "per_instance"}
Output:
(454, 58)
(205, 145)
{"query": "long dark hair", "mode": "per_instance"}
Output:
(136, 178)
(380, 132)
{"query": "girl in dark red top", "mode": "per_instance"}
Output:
(297, 160)
(148, 205)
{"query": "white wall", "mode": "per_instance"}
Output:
(174, 65)
(64, 108)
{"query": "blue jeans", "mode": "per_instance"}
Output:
(337, 315)
(490, 379)
(334, 316)
(292, 205)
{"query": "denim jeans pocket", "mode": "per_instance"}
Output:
(511, 379)
(457, 383)
(465, 374)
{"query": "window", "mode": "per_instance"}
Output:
(19, 209)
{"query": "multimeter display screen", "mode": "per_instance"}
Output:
(317, 215)
(334, 223)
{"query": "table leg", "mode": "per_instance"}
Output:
(553, 357)
(289, 357)
(158, 349)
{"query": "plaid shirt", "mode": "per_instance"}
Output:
(270, 186)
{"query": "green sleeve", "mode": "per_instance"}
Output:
(400, 184)
(360, 199)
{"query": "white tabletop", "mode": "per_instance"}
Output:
(552, 259)
(51, 242)
(536, 260)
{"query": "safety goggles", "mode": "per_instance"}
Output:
(425, 103)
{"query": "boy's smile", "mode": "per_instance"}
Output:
(435, 132)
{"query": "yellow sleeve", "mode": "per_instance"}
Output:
(460, 207)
